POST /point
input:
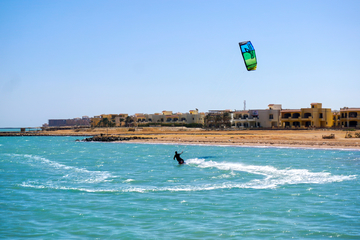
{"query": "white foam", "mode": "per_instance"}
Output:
(269, 178)
(129, 180)
(32, 185)
(72, 173)
(273, 176)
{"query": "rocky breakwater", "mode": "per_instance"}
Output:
(111, 138)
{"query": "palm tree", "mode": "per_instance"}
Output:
(127, 121)
(121, 120)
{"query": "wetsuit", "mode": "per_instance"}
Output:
(178, 158)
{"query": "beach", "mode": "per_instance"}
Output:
(275, 138)
(179, 135)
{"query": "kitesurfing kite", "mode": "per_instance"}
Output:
(248, 53)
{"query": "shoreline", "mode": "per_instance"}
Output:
(250, 145)
(309, 139)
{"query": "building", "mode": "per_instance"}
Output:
(109, 120)
(315, 116)
(121, 120)
(273, 117)
(84, 122)
(141, 119)
(192, 117)
(290, 118)
(349, 117)
(336, 118)
(218, 119)
(266, 118)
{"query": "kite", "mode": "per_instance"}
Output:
(248, 53)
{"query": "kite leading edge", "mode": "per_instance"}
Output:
(248, 53)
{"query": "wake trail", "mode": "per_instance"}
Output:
(273, 177)
(269, 177)
(70, 173)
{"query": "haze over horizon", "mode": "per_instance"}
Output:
(67, 59)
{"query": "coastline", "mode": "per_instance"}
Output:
(247, 138)
(297, 145)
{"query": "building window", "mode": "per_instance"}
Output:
(296, 115)
(353, 114)
(287, 115)
(307, 115)
(320, 115)
(271, 116)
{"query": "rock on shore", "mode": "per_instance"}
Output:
(104, 138)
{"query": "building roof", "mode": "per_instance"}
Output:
(243, 111)
(290, 110)
(349, 109)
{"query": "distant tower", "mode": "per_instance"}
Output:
(244, 105)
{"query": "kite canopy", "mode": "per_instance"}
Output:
(248, 53)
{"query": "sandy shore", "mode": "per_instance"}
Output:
(265, 138)
(275, 138)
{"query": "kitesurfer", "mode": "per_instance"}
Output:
(178, 158)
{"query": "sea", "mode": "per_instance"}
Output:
(19, 129)
(60, 188)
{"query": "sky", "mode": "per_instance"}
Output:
(67, 59)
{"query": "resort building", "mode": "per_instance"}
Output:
(193, 116)
(95, 121)
(350, 117)
(218, 119)
(273, 117)
(266, 118)
(84, 122)
(315, 116)
(336, 118)
(109, 120)
(291, 118)
(124, 120)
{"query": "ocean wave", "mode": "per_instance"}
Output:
(80, 189)
(254, 184)
(273, 176)
(71, 173)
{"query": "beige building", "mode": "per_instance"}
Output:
(349, 117)
(273, 117)
(114, 120)
(193, 116)
(336, 118)
(266, 118)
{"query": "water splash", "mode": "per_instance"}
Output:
(270, 178)
(70, 173)
(273, 176)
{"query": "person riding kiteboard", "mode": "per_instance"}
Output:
(178, 158)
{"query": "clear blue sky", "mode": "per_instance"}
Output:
(67, 59)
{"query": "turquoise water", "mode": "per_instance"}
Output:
(54, 187)
(18, 129)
